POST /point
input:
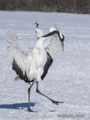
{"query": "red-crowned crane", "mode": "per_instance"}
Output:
(39, 32)
(33, 66)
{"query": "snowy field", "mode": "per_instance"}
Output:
(68, 79)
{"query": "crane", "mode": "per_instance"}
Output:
(33, 66)
(39, 32)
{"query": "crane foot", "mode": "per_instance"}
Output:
(56, 102)
(29, 110)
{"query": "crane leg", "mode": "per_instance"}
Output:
(53, 101)
(29, 90)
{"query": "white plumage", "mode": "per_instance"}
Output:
(39, 32)
(33, 66)
(52, 29)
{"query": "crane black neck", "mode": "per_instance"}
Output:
(37, 25)
(52, 33)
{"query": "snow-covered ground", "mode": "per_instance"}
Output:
(68, 79)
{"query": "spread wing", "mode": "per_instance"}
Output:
(52, 44)
(18, 57)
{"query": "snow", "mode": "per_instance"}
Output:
(68, 79)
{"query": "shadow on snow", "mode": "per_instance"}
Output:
(16, 105)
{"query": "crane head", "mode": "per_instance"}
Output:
(61, 37)
(37, 24)
(62, 40)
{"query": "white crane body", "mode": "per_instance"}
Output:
(33, 66)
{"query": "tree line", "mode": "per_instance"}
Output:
(70, 6)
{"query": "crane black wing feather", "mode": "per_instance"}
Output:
(19, 72)
(47, 65)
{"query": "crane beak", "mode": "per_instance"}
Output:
(62, 44)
